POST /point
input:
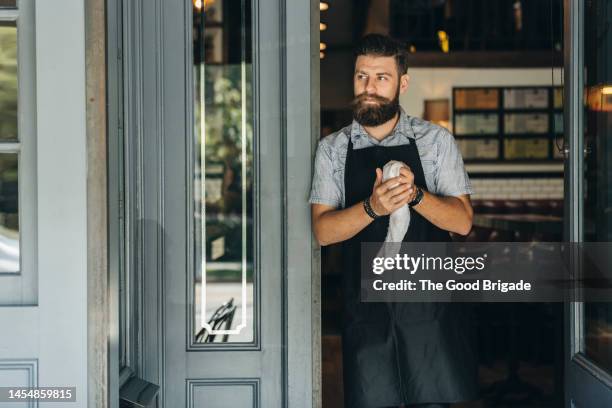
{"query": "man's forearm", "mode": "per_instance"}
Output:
(340, 225)
(448, 213)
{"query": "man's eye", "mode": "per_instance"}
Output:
(382, 78)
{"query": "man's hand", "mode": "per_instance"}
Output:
(394, 193)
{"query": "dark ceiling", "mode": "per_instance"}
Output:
(529, 27)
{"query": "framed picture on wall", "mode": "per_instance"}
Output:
(437, 111)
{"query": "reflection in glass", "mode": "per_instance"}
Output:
(9, 215)
(8, 3)
(223, 172)
(598, 333)
(598, 166)
(8, 80)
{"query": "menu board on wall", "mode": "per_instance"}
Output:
(479, 148)
(476, 124)
(508, 123)
(558, 123)
(526, 148)
(476, 98)
(515, 123)
(525, 98)
(558, 98)
(558, 148)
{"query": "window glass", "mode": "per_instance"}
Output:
(598, 166)
(223, 298)
(8, 80)
(9, 213)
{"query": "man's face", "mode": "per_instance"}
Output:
(377, 86)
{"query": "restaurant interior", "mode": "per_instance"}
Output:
(492, 73)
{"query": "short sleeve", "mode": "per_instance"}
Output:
(325, 189)
(451, 178)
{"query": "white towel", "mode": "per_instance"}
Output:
(399, 219)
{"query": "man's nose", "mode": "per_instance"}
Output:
(370, 87)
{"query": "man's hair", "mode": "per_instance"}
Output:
(383, 46)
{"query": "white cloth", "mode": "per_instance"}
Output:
(399, 220)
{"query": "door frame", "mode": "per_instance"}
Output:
(586, 384)
(100, 336)
(302, 260)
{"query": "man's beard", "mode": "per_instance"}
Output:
(374, 114)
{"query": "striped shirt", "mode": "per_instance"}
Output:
(442, 163)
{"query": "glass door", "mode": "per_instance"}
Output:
(589, 97)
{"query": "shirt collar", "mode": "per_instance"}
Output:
(402, 128)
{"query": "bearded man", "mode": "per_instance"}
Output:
(394, 354)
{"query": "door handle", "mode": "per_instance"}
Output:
(566, 151)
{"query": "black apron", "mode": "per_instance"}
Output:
(395, 353)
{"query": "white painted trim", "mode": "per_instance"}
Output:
(62, 194)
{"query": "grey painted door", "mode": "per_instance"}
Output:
(588, 200)
(204, 148)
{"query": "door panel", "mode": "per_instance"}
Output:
(222, 394)
(206, 124)
(589, 374)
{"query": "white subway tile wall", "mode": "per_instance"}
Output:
(517, 188)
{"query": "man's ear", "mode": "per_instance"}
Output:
(404, 80)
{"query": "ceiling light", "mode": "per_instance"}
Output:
(321, 54)
(443, 40)
(198, 4)
(322, 46)
(323, 6)
(606, 90)
(322, 26)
